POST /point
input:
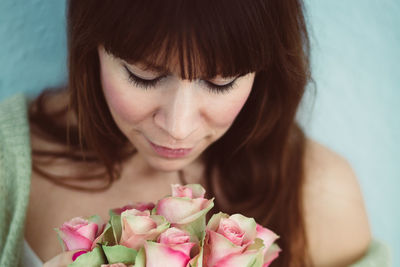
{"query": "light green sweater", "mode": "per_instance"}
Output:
(15, 173)
(15, 176)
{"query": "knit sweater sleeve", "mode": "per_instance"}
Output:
(15, 173)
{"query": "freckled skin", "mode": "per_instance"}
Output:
(176, 113)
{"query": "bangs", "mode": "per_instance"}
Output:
(197, 38)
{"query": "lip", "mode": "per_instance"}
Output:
(170, 152)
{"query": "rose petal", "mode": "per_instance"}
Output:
(178, 210)
(106, 230)
(114, 265)
(231, 230)
(141, 206)
(136, 241)
(217, 246)
(77, 254)
(161, 255)
(173, 236)
(138, 224)
(73, 240)
(135, 212)
(248, 225)
(76, 222)
(148, 228)
(189, 190)
(197, 190)
(267, 236)
(89, 231)
(213, 223)
(99, 222)
(181, 191)
(184, 248)
(238, 260)
(118, 211)
(177, 239)
(271, 255)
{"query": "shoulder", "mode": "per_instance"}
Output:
(336, 220)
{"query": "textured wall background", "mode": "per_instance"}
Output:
(356, 52)
(33, 45)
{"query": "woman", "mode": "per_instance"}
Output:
(206, 92)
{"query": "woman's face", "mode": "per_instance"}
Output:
(170, 121)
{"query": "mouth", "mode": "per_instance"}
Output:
(168, 152)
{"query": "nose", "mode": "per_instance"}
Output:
(179, 115)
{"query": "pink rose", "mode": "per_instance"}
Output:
(186, 209)
(235, 241)
(139, 226)
(231, 230)
(177, 240)
(79, 233)
(173, 249)
(189, 190)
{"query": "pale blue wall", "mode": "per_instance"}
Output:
(33, 45)
(356, 56)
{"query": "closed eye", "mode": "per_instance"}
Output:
(151, 83)
(217, 88)
(140, 82)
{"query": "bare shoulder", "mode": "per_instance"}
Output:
(336, 220)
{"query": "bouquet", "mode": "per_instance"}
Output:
(173, 232)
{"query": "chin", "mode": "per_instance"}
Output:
(168, 165)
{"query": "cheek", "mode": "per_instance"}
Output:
(228, 114)
(224, 111)
(126, 103)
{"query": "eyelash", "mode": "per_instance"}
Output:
(147, 84)
(137, 81)
(219, 89)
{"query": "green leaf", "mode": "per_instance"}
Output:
(93, 258)
(108, 236)
(117, 228)
(153, 211)
(140, 260)
(118, 253)
(197, 261)
(111, 213)
(195, 228)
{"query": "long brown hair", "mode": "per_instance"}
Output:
(259, 161)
